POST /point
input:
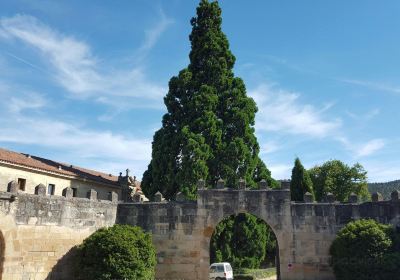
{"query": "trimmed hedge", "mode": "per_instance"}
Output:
(118, 252)
(366, 250)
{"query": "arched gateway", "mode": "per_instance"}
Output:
(182, 230)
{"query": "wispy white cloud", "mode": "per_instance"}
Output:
(366, 116)
(365, 149)
(78, 70)
(283, 111)
(280, 171)
(29, 100)
(269, 147)
(373, 85)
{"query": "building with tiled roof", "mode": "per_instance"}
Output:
(29, 171)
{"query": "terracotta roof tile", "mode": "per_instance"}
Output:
(56, 167)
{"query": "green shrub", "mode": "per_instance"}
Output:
(118, 252)
(244, 277)
(366, 250)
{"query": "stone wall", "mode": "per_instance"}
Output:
(304, 231)
(41, 231)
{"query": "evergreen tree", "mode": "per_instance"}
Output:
(208, 130)
(301, 182)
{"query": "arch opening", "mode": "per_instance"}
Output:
(248, 243)
(2, 254)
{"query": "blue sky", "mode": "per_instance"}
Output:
(83, 82)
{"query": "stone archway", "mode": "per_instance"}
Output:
(2, 251)
(269, 231)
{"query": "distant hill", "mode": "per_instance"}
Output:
(384, 188)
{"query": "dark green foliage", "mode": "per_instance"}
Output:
(118, 252)
(340, 179)
(366, 250)
(208, 130)
(385, 189)
(301, 182)
(244, 277)
(242, 240)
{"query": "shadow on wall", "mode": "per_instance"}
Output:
(2, 249)
(67, 267)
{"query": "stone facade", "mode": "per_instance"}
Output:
(182, 230)
(38, 232)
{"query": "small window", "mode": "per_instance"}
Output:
(220, 268)
(213, 269)
(50, 189)
(74, 192)
(21, 184)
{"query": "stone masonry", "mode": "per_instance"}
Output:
(37, 232)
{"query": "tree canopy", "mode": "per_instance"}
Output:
(339, 179)
(300, 182)
(208, 130)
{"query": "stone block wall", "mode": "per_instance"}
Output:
(40, 232)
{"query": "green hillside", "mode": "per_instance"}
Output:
(384, 188)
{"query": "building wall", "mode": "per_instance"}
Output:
(41, 231)
(34, 178)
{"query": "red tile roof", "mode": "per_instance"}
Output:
(56, 167)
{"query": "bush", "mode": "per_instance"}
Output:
(244, 277)
(118, 252)
(366, 250)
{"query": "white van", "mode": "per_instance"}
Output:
(221, 271)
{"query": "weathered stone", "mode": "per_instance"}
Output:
(92, 194)
(40, 190)
(180, 197)
(13, 187)
(220, 184)
(201, 184)
(375, 197)
(113, 196)
(308, 197)
(68, 192)
(330, 197)
(242, 184)
(285, 184)
(158, 197)
(353, 198)
(263, 185)
(395, 195)
(137, 197)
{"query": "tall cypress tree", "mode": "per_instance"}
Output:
(301, 182)
(208, 131)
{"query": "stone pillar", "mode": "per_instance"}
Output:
(242, 184)
(376, 197)
(220, 184)
(180, 197)
(263, 185)
(158, 197)
(353, 198)
(68, 193)
(330, 198)
(308, 197)
(201, 184)
(40, 190)
(13, 187)
(137, 197)
(395, 195)
(92, 194)
(285, 185)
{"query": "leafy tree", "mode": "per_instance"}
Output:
(301, 182)
(340, 179)
(244, 241)
(208, 130)
(118, 252)
(365, 250)
(385, 189)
